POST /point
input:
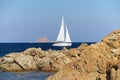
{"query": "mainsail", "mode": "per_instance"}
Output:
(61, 35)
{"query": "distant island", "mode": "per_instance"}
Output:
(43, 39)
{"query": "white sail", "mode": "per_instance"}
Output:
(61, 35)
(67, 39)
(63, 39)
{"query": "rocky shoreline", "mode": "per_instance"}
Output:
(99, 61)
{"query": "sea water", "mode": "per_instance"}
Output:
(6, 48)
(24, 75)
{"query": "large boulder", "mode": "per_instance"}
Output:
(26, 62)
(44, 64)
(58, 60)
(7, 63)
(18, 62)
(54, 62)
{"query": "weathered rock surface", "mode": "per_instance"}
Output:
(113, 39)
(35, 59)
(91, 65)
(26, 62)
(116, 51)
(82, 47)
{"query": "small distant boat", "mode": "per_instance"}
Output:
(63, 39)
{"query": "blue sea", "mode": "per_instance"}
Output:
(6, 48)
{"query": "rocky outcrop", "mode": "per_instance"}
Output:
(38, 59)
(35, 59)
(91, 65)
(17, 62)
(99, 61)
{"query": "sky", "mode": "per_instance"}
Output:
(87, 20)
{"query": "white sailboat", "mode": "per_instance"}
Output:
(63, 39)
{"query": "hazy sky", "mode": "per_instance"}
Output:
(28, 20)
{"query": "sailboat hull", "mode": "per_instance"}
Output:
(62, 44)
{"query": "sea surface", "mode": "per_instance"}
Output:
(24, 75)
(6, 48)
